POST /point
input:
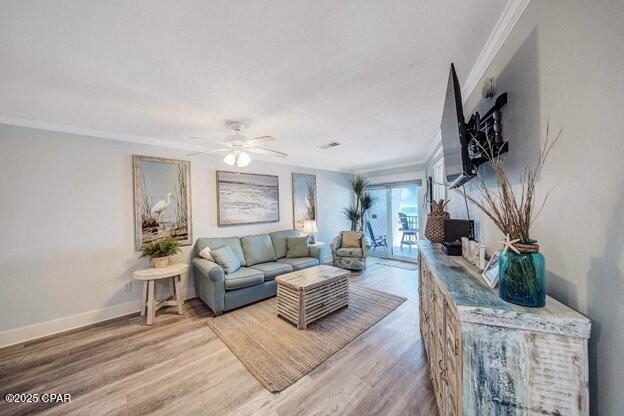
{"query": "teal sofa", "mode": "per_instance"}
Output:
(262, 256)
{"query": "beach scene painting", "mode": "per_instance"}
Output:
(304, 199)
(246, 198)
(162, 195)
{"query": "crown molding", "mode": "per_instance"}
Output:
(437, 152)
(129, 138)
(389, 165)
(436, 146)
(503, 27)
(81, 131)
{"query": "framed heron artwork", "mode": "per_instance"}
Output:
(162, 200)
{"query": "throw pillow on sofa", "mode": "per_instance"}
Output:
(206, 253)
(279, 241)
(258, 249)
(351, 239)
(297, 247)
(225, 257)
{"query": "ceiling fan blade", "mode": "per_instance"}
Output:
(206, 139)
(266, 152)
(223, 149)
(258, 141)
(226, 144)
(214, 142)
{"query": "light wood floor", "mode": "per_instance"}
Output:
(404, 251)
(179, 366)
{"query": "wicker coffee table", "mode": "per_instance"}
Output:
(306, 295)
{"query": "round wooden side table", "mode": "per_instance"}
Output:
(173, 273)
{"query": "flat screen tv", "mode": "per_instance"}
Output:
(463, 143)
(453, 131)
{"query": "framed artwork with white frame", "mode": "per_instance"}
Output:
(162, 200)
(490, 273)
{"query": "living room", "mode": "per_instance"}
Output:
(270, 208)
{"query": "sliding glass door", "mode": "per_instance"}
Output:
(376, 224)
(392, 225)
(405, 231)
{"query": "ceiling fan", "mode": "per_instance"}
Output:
(238, 147)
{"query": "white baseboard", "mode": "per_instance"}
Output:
(54, 326)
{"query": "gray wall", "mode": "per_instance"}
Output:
(564, 62)
(67, 221)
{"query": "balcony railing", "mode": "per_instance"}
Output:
(412, 222)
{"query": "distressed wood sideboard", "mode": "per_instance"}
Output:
(490, 357)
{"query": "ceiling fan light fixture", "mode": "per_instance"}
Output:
(243, 159)
(230, 159)
(237, 146)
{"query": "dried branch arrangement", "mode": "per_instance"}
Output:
(513, 212)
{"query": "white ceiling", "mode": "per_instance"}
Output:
(370, 74)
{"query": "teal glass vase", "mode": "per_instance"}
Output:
(522, 277)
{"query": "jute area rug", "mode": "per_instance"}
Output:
(278, 354)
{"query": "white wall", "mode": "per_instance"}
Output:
(67, 225)
(564, 62)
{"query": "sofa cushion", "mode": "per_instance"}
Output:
(273, 269)
(300, 262)
(225, 257)
(351, 239)
(258, 249)
(243, 277)
(349, 252)
(279, 241)
(232, 242)
(297, 247)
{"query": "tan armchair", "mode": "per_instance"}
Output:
(352, 258)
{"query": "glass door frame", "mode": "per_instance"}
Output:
(389, 254)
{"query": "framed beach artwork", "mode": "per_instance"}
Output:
(303, 199)
(162, 200)
(247, 198)
(490, 273)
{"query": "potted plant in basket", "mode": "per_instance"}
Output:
(159, 251)
(512, 209)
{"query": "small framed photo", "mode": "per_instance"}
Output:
(490, 273)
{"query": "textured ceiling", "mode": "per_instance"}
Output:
(369, 74)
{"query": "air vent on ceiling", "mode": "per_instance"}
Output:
(329, 145)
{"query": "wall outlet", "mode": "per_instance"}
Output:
(127, 286)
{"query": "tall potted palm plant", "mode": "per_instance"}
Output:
(363, 201)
